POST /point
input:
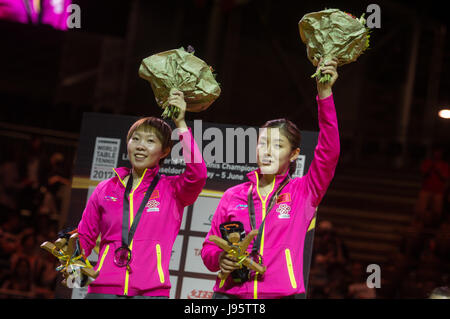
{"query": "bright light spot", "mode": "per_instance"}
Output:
(445, 114)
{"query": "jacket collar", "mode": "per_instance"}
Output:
(252, 176)
(149, 173)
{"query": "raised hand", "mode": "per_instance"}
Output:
(330, 68)
(176, 99)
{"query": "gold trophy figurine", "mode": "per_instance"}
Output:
(238, 249)
(70, 256)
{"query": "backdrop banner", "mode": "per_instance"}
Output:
(228, 156)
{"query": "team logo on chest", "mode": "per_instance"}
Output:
(152, 206)
(284, 211)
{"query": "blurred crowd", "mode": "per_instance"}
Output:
(334, 275)
(419, 266)
(34, 189)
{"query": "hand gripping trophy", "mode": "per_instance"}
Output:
(238, 249)
(75, 267)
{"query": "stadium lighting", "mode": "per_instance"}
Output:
(444, 113)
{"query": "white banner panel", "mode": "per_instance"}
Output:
(203, 213)
(197, 288)
(176, 254)
(173, 290)
(194, 262)
(183, 221)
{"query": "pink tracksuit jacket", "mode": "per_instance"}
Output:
(286, 224)
(158, 227)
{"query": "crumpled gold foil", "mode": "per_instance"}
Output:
(182, 70)
(332, 33)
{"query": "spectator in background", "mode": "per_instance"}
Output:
(16, 247)
(45, 275)
(43, 229)
(435, 174)
(328, 245)
(58, 181)
(357, 288)
(20, 279)
(9, 180)
(12, 223)
(328, 274)
(9, 238)
(35, 160)
(411, 286)
(442, 240)
(9, 241)
(424, 274)
(429, 266)
(338, 278)
(57, 176)
(318, 278)
(33, 165)
(414, 239)
(394, 270)
(48, 204)
(27, 249)
(43, 264)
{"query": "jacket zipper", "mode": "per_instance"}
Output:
(263, 203)
(159, 263)
(127, 273)
(290, 268)
(105, 252)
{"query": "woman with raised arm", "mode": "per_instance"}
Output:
(138, 212)
(279, 206)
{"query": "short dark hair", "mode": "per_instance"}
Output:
(161, 129)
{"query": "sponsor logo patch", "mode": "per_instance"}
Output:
(152, 206)
(284, 211)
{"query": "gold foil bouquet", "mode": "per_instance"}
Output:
(332, 33)
(182, 70)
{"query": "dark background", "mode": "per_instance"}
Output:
(48, 77)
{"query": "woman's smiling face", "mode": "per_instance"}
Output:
(144, 149)
(273, 152)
